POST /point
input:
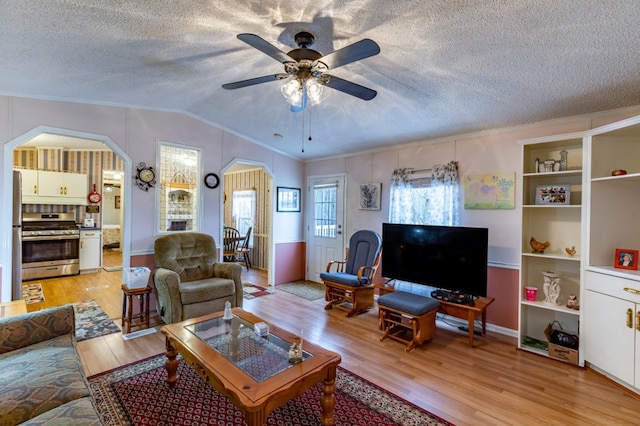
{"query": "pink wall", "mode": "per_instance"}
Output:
(502, 284)
(290, 262)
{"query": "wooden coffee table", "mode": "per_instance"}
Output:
(252, 371)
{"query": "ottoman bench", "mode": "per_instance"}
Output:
(408, 318)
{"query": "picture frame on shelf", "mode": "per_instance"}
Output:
(553, 194)
(288, 199)
(626, 259)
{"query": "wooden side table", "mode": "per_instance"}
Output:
(127, 307)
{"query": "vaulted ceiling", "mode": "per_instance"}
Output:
(446, 67)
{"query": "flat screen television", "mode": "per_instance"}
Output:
(444, 257)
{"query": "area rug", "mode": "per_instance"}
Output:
(251, 291)
(308, 289)
(112, 268)
(92, 321)
(32, 293)
(138, 395)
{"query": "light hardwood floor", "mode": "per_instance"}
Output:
(491, 384)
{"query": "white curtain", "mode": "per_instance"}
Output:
(426, 201)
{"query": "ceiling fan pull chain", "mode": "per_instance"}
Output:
(310, 124)
(302, 131)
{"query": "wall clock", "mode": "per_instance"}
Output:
(145, 177)
(211, 180)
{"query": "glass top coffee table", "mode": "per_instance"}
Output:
(253, 371)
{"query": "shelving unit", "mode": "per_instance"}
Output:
(562, 225)
(612, 295)
(179, 207)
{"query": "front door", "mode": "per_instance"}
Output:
(325, 223)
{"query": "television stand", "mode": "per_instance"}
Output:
(470, 313)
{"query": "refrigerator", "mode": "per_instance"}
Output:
(16, 238)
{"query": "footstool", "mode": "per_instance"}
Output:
(408, 318)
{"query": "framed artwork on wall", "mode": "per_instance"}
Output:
(369, 196)
(288, 199)
(490, 191)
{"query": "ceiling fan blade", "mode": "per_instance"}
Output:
(265, 47)
(350, 88)
(351, 53)
(253, 81)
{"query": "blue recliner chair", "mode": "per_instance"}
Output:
(351, 281)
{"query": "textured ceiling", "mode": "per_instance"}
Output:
(445, 67)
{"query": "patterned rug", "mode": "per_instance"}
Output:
(92, 321)
(112, 268)
(32, 293)
(138, 395)
(308, 289)
(251, 291)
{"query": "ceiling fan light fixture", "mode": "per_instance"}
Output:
(315, 91)
(292, 92)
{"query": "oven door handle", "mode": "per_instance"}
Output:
(52, 237)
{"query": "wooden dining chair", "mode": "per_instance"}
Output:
(242, 255)
(231, 242)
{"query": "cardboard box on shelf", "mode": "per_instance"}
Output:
(563, 354)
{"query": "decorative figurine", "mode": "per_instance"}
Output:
(563, 161)
(572, 302)
(537, 246)
(570, 251)
(295, 354)
(551, 287)
(227, 311)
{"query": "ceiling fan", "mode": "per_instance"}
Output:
(307, 69)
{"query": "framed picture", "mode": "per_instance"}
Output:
(117, 198)
(369, 196)
(626, 259)
(553, 194)
(288, 199)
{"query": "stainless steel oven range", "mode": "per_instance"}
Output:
(50, 245)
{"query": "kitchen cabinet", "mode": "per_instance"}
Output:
(46, 187)
(551, 163)
(90, 250)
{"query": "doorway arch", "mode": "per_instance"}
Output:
(238, 164)
(7, 196)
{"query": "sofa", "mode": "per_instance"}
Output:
(41, 376)
(189, 280)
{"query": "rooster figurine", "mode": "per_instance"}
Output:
(537, 246)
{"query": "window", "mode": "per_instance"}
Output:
(325, 202)
(417, 198)
(179, 188)
(244, 211)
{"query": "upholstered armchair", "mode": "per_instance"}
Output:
(351, 281)
(189, 281)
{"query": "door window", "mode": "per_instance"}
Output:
(325, 203)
